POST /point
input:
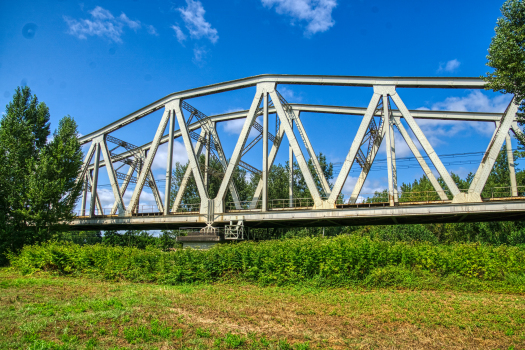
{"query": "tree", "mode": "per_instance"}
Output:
(507, 54)
(38, 190)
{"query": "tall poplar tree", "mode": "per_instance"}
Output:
(37, 177)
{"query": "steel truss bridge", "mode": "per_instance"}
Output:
(326, 207)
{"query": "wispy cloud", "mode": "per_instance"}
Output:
(198, 27)
(316, 13)
(181, 37)
(103, 24)
(437, 131)
(449, 67)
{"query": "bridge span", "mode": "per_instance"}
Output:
(327, 206)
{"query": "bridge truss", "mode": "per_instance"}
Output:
(325, 207)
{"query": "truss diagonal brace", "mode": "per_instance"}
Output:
(187, 174)
(311, 152)
(286, 123)
(356, 144)
(424, 143)
(112, 177)
(123, 187)
(491, 154)
(151, 155)
(237, 152)
(420, 159)
(364, 172)
(193, 162)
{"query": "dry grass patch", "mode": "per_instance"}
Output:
(69, 313)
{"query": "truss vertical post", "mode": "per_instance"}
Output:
(234, 161)
(207, 161)
(491, 154)
(285, 123)
(169, 166)
(290, 173)
(151, 155)
(193, 161)
(265, 169)
(512, 170)
(84, 196)
(123, 188)
(187, 175)
(112, 177)
(430, 176)
(347, 165)
(271, 159)
(364, 172)
(390, 153)
(94, 193)
(424, 143)
(90, 179)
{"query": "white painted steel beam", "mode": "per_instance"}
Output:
(187, 175)
(491, 154)
(434, 158)
(512, 170)
(286, 124)
(426, 169)
(356, 144)
(169, 166)
(112, 177)
(412, 82)
(312, 154)
(144, 172)
(390, 152)
(236, 157)
(265, 170)
(366, 170)
(193, 161)
(123, 188)
(94, 183)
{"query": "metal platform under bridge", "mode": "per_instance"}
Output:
(328, 205)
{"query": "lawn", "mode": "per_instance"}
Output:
(50, 312)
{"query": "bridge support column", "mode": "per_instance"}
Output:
(94, 194)
(84, 196)
(265, 169)
(390, 152)
(169, 166)
(512, 170)
(290, 174)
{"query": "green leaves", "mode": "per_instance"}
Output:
(37, 177)
(507, 53)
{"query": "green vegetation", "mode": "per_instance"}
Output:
(37, 176)
(53, 312)
(338, 261)
(507, 54)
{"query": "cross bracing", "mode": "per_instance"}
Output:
(384, 114)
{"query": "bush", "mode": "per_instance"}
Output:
(338, 261)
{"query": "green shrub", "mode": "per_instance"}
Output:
(338, 261)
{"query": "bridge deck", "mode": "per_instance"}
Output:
(351, 215)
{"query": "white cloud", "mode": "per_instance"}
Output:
(234, 127)
(178, 32)
(449, 67)
(369, 188)
(199, 53)
(103, 24)
(437, 131)
(193, 17)
(152, 30)
(317, 13)
(290, 95)
(161, 158)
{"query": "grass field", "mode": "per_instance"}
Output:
(47, 312)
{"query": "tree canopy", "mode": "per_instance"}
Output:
(38, 188)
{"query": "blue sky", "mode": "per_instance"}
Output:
(100, 60)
